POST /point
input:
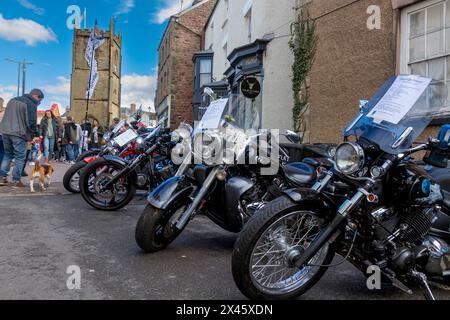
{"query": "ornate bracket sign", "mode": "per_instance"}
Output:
(250, 87)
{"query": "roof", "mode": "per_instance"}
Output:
(179, 14)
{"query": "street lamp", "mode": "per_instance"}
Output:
(22, 65)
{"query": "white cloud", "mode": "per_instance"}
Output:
(8, 92)
(170, 8)
(25, 30)
(58, 93)
(139, 89)
(125, 6)
(62, 87)
(28, 5)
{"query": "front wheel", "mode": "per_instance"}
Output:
(265, 252)
(155, 228)
(99, 173)
(71, 180)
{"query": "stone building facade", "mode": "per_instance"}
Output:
(182, 38)
(105, 104)
(355, 54)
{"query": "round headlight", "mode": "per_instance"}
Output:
(207, 146)
(349, 157)
(139, 141)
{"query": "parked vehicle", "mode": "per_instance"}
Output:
(110, 182)
(228, 192)
(376, 207)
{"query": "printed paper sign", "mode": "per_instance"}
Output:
(213, 115)
(399, 99)
(126, 137)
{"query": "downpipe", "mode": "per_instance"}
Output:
(186, 216)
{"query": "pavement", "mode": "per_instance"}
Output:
(43, 234)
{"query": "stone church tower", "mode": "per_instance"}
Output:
(105, 104)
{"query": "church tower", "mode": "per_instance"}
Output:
(105, 104)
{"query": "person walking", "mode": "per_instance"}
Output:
(49, 129)
(96, 138)
(70, 139)
(18, 127)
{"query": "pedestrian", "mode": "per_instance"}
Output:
(49, 129)
(96, 137)
(116, 121)
(18, 127)
(86, 128)
(2, 112)
(79, 147)
(70, 139)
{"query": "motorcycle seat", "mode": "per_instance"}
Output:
(300, 173)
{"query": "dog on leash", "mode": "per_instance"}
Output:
(43, 171)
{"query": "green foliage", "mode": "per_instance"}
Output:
(303, 45)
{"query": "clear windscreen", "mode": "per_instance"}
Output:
(227, 125)
(399, 112)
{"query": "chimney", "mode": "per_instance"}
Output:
(133, 108)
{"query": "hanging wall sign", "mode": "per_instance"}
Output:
(250, 87)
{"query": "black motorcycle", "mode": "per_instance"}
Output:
(227, 189)
(376, 207)
(71, 179)
(110, 182)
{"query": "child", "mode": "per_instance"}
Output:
(36, 146)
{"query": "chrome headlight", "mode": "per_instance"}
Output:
(349, 157)
(140, 141)
(207, 146)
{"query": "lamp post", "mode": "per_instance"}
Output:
(22, 65)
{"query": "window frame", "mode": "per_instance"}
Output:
(404, 54)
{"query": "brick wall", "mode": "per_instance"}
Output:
(184, 35)
(350, 64)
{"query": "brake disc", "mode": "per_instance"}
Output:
(98, 184)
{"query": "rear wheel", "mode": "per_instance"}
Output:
(71, 178)
(155, 228)
(265, 252)
(95, 176)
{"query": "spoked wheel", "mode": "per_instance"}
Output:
(155, 229)
(265, 253)
(71, 180)
(93, 179)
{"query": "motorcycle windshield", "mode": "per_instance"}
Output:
(399, 112)
(226, 127)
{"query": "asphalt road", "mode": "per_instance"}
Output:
(42, 234)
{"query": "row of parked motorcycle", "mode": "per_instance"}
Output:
(369, 200)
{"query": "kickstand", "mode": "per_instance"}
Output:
(423, 280)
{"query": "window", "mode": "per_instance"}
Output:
(205, 74)
(425, 47)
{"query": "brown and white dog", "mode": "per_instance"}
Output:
(43, 172)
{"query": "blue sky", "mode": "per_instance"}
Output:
(36, 30)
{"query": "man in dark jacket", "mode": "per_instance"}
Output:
(70, 139)
(18, 127)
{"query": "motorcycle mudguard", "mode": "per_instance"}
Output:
(309, 197)
(89, 159)
(116, 160)
(170, 192)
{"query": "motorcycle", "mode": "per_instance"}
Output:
(228, 190)
(376, 207)
(109, 183)
(71, 178)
